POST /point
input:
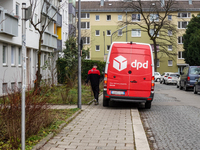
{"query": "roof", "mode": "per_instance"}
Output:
(121, 6)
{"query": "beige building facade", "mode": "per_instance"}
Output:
(100, 26)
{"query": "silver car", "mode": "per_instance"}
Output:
(172, 78)
(157, 76)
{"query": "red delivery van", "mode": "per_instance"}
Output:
(129, 74)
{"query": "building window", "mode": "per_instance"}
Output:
(154, 17)
(97, 33)
(108, 17)
(184, 15)
(85, 25)
(120, 32)
(97, 18)
(180, 40)
(5, 54)
(108, 47)
(12, 55)
(17, 10)
(97, 47)
(170, 63)
(5, 88)
(151, 31)
(169, 47)
(136, 33)
(19, 56)
(84, 15)
(119, 17)
(135, 17)
(180, 55)
(88, 55)
(169, 32)
(158, 63)
(169, 17)
(19, 86)
(13, 87)
(182, 24)
(108, 33)
(157, 47)
(86, 40)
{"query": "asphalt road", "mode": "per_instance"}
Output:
(173, 122)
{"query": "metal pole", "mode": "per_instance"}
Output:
(116, 31)
(79, 54)
(23, 76)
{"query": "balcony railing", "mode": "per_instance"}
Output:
(8, 23)
(49, 40)
(50, 11)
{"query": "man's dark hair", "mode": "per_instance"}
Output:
(95, 65)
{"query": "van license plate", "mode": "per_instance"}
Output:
(118, 92)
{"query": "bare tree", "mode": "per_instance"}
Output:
(47, 14)
(153, 20)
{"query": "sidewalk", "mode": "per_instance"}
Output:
(101, 128)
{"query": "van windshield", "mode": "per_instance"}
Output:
(195, 71)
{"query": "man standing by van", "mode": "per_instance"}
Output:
(94, 76)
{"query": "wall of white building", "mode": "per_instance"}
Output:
(10, 72)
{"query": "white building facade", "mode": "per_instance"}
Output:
(11, 44)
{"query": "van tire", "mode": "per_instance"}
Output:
(195, 92)
(148, 105)
(105, 102)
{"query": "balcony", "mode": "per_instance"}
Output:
(50, 11)
(8, 23)
(49, 40)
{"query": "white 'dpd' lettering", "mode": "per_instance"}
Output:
(138, 65)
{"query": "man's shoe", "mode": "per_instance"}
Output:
(95, 101)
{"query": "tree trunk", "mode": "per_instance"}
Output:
(38, 74)
(156, 55)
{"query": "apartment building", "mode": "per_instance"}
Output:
(11, 43)
(100, 27)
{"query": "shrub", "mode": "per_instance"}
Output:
(37, 116)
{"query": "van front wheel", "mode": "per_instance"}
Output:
(105, 102)
(148, 105)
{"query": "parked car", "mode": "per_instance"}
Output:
(172, 78)
(188, 77)
(197, 86)
(164, 77)
(177, 82)
(157, 76)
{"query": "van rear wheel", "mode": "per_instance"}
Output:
(105, 102)
(148, 105)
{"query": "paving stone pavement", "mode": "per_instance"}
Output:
(101, 128)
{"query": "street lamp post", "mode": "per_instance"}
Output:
(116, 31)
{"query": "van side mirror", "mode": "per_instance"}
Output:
(181, 73)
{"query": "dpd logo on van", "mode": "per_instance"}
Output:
(120, 63)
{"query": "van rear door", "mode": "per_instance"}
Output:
(129, 70)
(141, 68)
(118, 67)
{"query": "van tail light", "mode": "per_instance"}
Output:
(105, 80)
(152, 83)
(188, 78)
(169, 77)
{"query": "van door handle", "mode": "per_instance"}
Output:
(134, 81)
